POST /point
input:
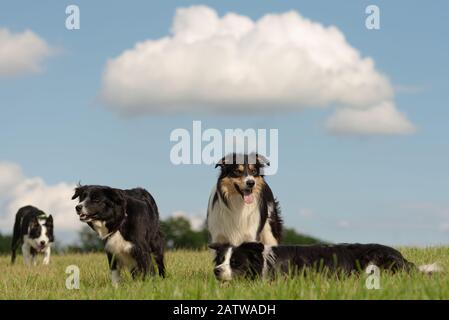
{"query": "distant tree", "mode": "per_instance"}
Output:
(5, 244)
(179, 234)
(290, 236)
(88, 241)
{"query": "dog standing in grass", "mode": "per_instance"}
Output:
(128, 223)
(33, 229)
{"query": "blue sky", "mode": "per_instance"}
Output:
(389, 189)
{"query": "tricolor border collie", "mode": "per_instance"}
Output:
(128, 223)
(34, 230)
(255, 260)
(241, 206)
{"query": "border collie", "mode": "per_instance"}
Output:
(128, 223)
(253, 259)
(34, 230)
(241, 206)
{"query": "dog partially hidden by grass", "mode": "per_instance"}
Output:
(255, 260)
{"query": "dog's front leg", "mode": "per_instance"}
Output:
(47, 252)
(26, 251)
(115, 271)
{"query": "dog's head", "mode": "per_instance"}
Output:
(40, 231)
(244, 261)
(241, 174)
(100, 203)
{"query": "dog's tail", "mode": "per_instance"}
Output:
(430, 268)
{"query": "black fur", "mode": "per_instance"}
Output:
(26, 223)
(276, 222)
(134, 214)
(248, 259)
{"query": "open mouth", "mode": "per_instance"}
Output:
(84, 217)
(248, 196)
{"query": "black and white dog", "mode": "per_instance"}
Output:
(253, 259)
(34, 230)
(128, 223)
(241, 206)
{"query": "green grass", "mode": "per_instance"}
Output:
(189, 276)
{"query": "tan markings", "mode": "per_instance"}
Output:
(227, 186)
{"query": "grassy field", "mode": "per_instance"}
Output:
(190, 277)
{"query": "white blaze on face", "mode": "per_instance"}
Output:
(248, 197)
(42, 241)
(225, 267)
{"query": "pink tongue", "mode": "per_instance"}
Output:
(248, 198)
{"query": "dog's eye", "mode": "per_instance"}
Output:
(234, 263)
(237, 172)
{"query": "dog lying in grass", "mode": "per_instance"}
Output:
(253, 259)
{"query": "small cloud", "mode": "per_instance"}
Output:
(21, 52)
(343, 224)
(306, 212)
(381, 119)
(444, 226)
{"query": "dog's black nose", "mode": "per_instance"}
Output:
(79, 208)
(250, 183)
(42, 242)
(216, 272)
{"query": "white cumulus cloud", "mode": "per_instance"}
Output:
(21, 52)
(17, 190)
(216, 64)
(381, 119)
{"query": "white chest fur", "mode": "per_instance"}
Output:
(116, 245)
(121, 249)
(236, 223)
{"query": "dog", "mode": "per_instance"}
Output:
(128, 223)
(254, 260)
(241, 206)
(34, 230)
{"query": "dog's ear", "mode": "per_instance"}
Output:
(49, 221)
(253, 246)
(221, 163)
(262, 160)
(228, 159)
(78, 190)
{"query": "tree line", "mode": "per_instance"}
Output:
(178, 235)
